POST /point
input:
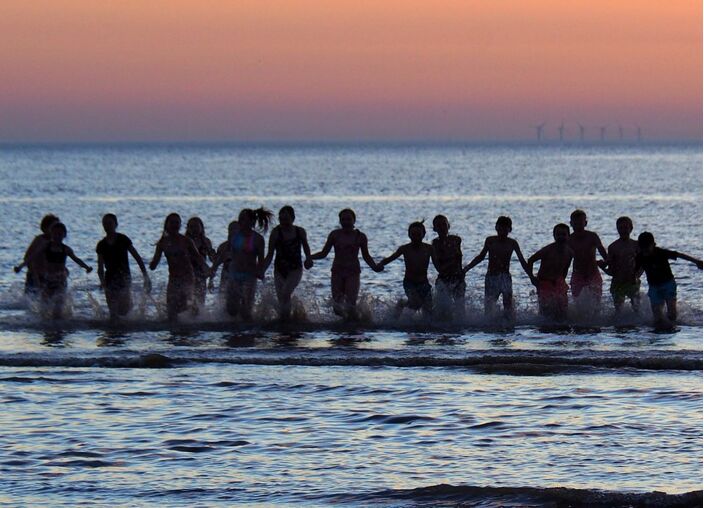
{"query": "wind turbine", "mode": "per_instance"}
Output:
(602, 132)
(561, 130)
(620, 133)
(582, 128)
(539, 131)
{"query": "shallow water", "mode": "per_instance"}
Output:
(318, 412)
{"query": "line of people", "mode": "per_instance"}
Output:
(243, 260)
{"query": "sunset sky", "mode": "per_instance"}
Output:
(261, 70)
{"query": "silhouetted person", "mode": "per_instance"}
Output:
(585, 270)
(555, 260)
(114, 268)
(195, 230)
(181, 254)
(246, 252)
(625, 278)
(450, 286)
(35, 264)
(416, 256)
(662, 288)
(347, 242)
(224, 254)
(55, 276)
(287, 241)
(497, 281)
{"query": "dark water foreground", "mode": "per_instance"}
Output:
(356, 417)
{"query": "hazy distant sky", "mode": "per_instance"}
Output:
(208, 70)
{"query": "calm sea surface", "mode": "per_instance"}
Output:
(392, 411)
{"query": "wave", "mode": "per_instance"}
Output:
(520, 497)
(523, 363)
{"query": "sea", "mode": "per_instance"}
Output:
(388, 411)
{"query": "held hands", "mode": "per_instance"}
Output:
(89, 269)
(147, 285)
(378, 267)
(699, 264)
(534, 280)
(308, 263)
(17, 268)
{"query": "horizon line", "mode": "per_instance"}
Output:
(352, 142)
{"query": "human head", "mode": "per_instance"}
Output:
(441, 225)
(231, 228)
(347, 218)
(416, 231)
(624, 226)
(578, 220)
(172, 224)
(504, 225)
(58, 231)
(195, 227)
(47, 221)
(646, 242)
(110, 223)
(561, 233)
(287, 215)
(249, 218)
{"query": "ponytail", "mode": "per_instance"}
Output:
(261, 217)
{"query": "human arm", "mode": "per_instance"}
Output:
(604, 265)
(531, 261)
(601, 249)
(157, 256)
(365, 254)
(220, 256)
(523, 262)
(196, 256)
(478, 258)
(101, 270)
(689, 258)
(140, 262)
(30, 253)
(308, 263)
(77, 260)
(273, 240)
(569, 262)
(399, 252)
(259, 254)
(326, 248)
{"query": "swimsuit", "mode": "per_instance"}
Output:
(498, 284)
(552, 293)
(419, 293)
(591, 282)
(288, 253)
(660, 293)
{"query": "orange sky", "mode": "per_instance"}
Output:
(199, 70)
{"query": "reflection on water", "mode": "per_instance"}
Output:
(316, 432)
(215, 412)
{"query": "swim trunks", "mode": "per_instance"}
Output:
(552, 293)
(660, 293)
(498, 284)
(623, 290)
(419, 294)
(592, 282)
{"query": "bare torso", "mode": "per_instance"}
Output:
(584, 245)
(416, 259)
(622, 260)
(499, 251)
(554, 262)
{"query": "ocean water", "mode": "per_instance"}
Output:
(389, 411)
